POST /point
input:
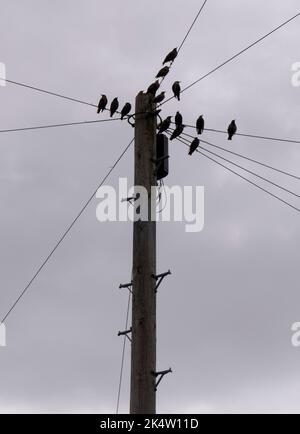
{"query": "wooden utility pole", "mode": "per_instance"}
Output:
(143, 349)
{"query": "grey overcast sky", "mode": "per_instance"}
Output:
(224, 316)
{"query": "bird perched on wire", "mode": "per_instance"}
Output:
(200, 125)
(163, 72)
(232, 129)
(153, 88)
(102, 103)
(114, 107)
(125, 110)
(176, 90)
(171, 56)
(178, 119)
(177, 132)
(165, 125)
(159, 98)
(194, 145)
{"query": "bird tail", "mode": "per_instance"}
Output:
(98, 111)
(190, 152)
(111, 114)
(230, 137)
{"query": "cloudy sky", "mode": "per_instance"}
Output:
(224, 316)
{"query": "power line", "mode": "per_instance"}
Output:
(251, 172)
(40, 127)
(245, 179)
(276, 139)
(192, 25)
(247, 158)
(65, 233)
(186, 35)
(235, 56)
(123, 354)
(248, 171)
(37, 89)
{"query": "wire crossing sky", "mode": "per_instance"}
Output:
(236, 55)
(61, 239)
(241, 176)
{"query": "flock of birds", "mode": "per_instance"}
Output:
(158, 99)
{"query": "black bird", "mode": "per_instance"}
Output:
(114, 107)
(171, 56)
(125, 110)
(159, 98)
(176, 90)
(102, 103)
(165, 125)
(177, 132)
(163, 72)
(178, 119)
(153, 88)
(194, 145)
(200, 125)
(232, 129)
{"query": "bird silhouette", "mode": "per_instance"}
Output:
(153, 88)
(125, 110)
(102, 103)
(232, 129)
(163, 72)
(159, 98)
(200, 125)
(178, 119)
(165, 125)
(171, 56)
(177, 132)
(114, 107)
(194, 145)
(176, 90)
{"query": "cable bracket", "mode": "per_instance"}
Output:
(159, 278)
(126, 333)
(126, 285)
(161, 375)
(129, 199)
